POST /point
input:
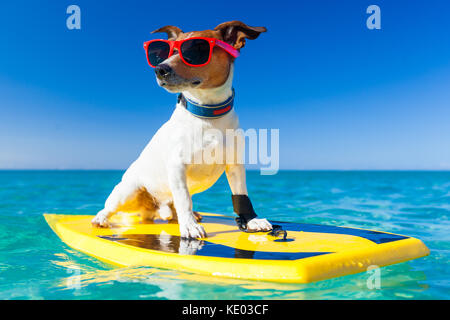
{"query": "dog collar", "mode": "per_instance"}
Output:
(209, 111)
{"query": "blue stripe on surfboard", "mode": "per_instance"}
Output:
(377, 237)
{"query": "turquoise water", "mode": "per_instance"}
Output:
(35, 264)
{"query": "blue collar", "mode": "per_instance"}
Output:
(209, 111)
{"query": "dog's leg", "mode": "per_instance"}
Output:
(189, 228)
(198, 216)
(120, 194)
(236, 179)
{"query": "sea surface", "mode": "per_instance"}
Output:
(35, 264)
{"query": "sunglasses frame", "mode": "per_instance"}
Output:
(176, 44)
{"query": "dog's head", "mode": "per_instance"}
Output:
(176, 76)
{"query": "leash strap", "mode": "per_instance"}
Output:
(277, 230)
(243, 208)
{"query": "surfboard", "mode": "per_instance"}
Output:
(310, 252)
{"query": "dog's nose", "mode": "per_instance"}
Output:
(163, 70)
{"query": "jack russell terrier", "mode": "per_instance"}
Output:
(199, 66)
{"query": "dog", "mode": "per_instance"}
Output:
(160, 183)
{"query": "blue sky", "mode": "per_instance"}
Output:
(343, 96)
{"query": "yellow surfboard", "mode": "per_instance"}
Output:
(309, 253)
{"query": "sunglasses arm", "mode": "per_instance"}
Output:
(228, 48)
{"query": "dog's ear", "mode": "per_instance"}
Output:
(172, 31)
(235, 33)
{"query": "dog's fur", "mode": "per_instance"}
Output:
(160, 182)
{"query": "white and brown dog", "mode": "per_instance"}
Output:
(159, 184)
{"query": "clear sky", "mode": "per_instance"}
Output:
(343, 96)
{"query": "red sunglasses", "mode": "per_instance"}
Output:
(195, 52)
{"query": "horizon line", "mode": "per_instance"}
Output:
(305, 170)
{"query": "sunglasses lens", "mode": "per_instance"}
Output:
(195, 51)
(157, 52)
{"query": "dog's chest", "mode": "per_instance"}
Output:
(206, 147)
(205, 141)
(201, 177)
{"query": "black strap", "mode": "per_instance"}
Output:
(243, 208)
(277, 230)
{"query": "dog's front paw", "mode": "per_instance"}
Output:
(100, 221)
(259, 225)
(192, 229)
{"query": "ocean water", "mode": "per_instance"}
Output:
(35, 264)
